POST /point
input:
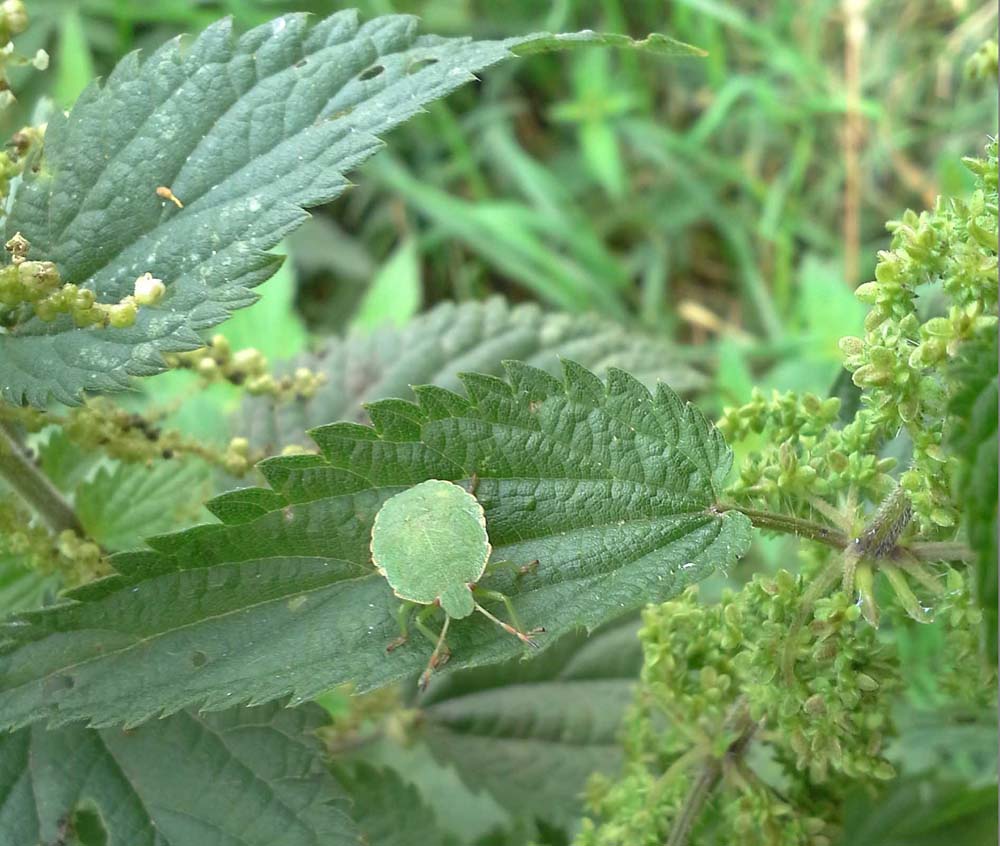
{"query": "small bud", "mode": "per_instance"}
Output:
(815, 705)
(866, 682)
(207, 367)
(220, 346)
(884, 771)
(867, 293)
(149, 290)
(249, 360)
(938, 326)
(14, 16)
(868, 374)
(122, 315)
(942, 517)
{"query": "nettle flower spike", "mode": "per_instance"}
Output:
(247, 368)
(34, 288)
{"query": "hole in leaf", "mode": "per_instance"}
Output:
(370, 73)
(88, 826)
(420, 64)
(199, 658)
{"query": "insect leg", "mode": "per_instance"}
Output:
(517, 629)
(436, 658)
(402, 617)
(421, 623)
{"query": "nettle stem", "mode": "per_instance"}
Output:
(739, 722)
(28, 482)
(877, 541)
(789, 525)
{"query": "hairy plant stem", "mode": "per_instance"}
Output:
(789, 525)
(839, 540)
(738, 720)
(28, 482)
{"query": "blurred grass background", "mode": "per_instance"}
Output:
(731, 202)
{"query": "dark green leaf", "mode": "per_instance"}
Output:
(610, 488)
(973, 438)
(246, 132)
(239, 777)
(532, 732)
(438, 345)
(121, 506)
(387, 810)
(915, 812)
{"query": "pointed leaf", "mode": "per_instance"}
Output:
(245, 133)
(387, 810)
(531, 733)
(436, 346)
(612, 492)
(119, 507)
(243, 777)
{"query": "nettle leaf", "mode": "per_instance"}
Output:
(387, 810)
(531, 733)
(973, 437)
(435, 347)
(610, 488)
(240, 777)
(122, 505)
(21, 585)
(246, 132)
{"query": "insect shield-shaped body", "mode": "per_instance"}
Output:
(431, 545)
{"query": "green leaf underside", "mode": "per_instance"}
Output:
(436, 346)
(608, 487)
(247, 132)
(387, 810)
(241, 777)
(429, 541)
(119, 507)
(22, 586)
(531, 733)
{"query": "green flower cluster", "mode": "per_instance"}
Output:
(783, 700)
(35, 287)
(950, 252)
(686, 689)
(804, 454)
(821, 682)
(961, 619)
(247, 368)
(75, 559)
(100, 424)
(935, 290)
(14, 21)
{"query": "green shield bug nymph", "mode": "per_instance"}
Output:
(430, 543)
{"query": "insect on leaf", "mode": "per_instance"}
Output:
(610, 487)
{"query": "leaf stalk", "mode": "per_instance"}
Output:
(33, 486)
(739, 722)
